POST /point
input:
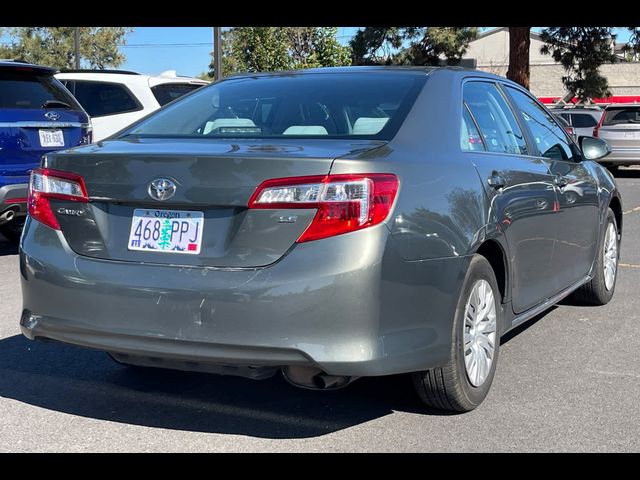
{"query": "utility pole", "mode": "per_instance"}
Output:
(76, 44)
(217, 54)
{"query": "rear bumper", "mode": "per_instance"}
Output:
(14, 197)
(630, 156)
(332, 304)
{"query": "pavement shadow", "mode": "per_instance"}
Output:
(623, 172)
(88, 383)
(7, 248)
(526, 325)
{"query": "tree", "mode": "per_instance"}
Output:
(256, 49)
(54, 46)
(312, 47)
(519, 48)
(581, 51)
(411, 45)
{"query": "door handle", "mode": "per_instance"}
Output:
(560, 181)
(497, 181)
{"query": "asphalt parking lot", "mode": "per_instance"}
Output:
(566, 381)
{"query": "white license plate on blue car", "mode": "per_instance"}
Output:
(166, 231)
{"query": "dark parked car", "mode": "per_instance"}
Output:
(37, 116)
(331, 224)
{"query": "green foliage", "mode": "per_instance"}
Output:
(411, 45)
(54, 46)
(581, 51)
(259, 49)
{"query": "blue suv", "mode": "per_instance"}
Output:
(38, 115)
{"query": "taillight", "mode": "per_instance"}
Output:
(87, 137)
(596, 130)
(345, 203)
(45, 184)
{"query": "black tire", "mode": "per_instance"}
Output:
(595, 292)
(12, 230)
(449, 388)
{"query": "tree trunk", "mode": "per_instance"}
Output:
(519, 45)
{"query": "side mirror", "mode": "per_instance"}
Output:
(594, 148)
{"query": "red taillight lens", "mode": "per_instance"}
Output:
(45, 184)
(345, 203)
(596, 131)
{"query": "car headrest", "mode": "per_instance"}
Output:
(369, 125)
(305, 130)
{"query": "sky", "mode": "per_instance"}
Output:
(153, 50)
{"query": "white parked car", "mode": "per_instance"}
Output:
(117, 98)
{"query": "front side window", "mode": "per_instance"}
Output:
(550, 138)
(323, 105)
(100, 99)
(498, 125)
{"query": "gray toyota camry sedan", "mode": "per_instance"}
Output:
(328, 224)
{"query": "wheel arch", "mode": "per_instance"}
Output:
(616, 205)
(495, 254)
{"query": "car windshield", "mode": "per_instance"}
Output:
(317, 105)
(621, 115)
(22, 90)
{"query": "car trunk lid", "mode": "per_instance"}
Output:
(214, 177)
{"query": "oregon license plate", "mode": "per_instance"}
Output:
(51, 138)
(169, 231)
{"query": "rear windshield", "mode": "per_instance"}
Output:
(168, 92)
(364, 105)
(23, 90)
(583, 120)
(621, 115)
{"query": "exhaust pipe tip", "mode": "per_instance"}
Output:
(313, 378)
(7, 216)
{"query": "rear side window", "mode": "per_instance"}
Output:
(100, 99)
(621, 115)
(470, 138)
(550, 138)
(498, 125)
(583, 120)
(168, 92)
(23, 90)
(368, 105)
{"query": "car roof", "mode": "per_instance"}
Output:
(364, 69)
(18, 66)
(125, 76)
(622, 105)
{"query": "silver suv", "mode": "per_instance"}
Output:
(620, 128)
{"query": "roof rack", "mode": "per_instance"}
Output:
(89, 70)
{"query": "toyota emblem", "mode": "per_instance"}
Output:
(162, 189)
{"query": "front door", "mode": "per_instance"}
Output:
(576, 188)
(520, 191)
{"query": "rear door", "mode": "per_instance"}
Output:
(520, 191)
(576, 189)
(37, 116)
